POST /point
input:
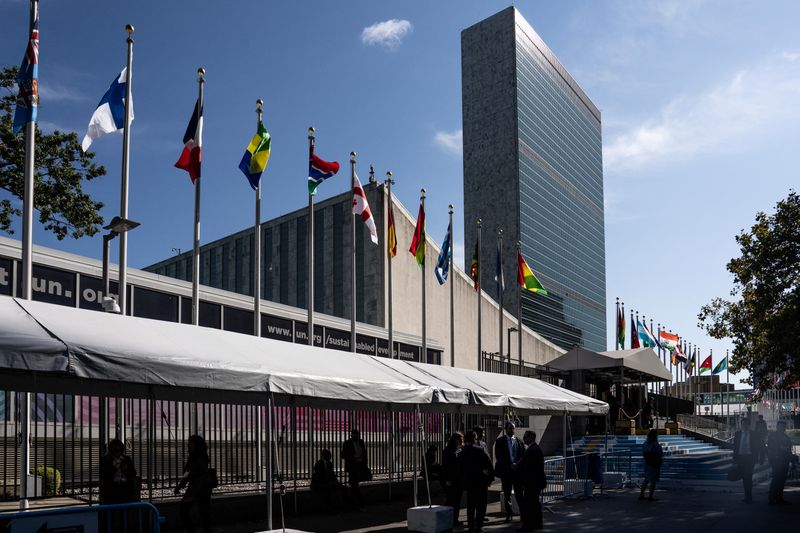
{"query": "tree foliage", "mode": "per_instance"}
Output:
(763, 317)
(61, 168)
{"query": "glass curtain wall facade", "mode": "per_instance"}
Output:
(533, 168)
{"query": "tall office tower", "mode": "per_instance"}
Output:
(533, 167)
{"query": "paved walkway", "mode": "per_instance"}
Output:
(675, 511)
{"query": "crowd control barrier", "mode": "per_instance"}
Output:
(137, 517)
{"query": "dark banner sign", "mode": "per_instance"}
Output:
(6, 273)
(301, 333)
(383, 348)
(91, 293)
(154, 304)
(238, 320)
(407, 352)
(365, 344)
(50, 285)
(273, 327)
(337, 339)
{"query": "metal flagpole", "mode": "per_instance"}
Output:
(423, 356)
(257, 305)
(27, 273)
(728, 383)
(616, 328)
(389, 181)
(353, 257)
(500, 290)
(452, 297)
(310, 254)
(257, 247)
(123, 202)
(519, 315)
(201, 74)
(480, 301)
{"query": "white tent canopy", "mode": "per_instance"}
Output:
(62, 349)
(638, 364)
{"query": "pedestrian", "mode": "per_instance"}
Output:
(452, 475)
(760, 429)
(647, 414)
(354, 453)
(117, 475)
(481, 439)
(533, 481)
(508, 451)
(325, 481)
(476, 476)
(653, 457)
(746, 451)
(779, 452)
(201, 480)
(432, 468)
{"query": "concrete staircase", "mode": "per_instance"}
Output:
(688, 462)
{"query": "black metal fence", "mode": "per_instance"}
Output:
(69, 434)
(504, 364)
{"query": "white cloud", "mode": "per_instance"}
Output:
(458, 254)
(388, 33)
(55, 93)
(743, 106)
(791, 56)
(450, 142)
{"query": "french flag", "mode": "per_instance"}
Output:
(191, 157)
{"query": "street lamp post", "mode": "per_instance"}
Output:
(509, 331)
(117, 226)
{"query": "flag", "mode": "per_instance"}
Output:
(498, 273)
(319, 171)
(417, 248)
(646, 336)
(256, 156)
(706, 366)
(526, 278)
(474, 267)
(721, 366)
(361, 208)
(634, 335)
(443, 263)
(191, 157)
(669, 341)
(28, 81)
(677, 355)
(620, 326)
(391, 234)
(110, 113)
(688, 363)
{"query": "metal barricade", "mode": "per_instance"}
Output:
(137, 517)
(567, 476)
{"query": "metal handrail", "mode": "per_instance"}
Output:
(155, 522)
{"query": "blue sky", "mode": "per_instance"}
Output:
(699, 102)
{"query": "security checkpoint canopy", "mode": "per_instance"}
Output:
(46, 347)
(639, 365)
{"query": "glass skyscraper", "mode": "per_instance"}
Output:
(533, 168)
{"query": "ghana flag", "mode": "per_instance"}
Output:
(417, 248)
(527, 279)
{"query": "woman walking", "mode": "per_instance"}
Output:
(653, 457)
(201, 480)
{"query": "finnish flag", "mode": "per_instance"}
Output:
(110, 113)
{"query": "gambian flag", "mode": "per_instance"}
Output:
(721, 366)
(361, 208)
(474, 267)
(318, 171)
(526, 278)
(256, 156)
(417, 248)
(391, 234)
(192, 144)
(706, 366)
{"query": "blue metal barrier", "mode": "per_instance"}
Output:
(136, 517)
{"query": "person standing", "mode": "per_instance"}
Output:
(508, 451)
(779, 453)
(452, 474)
(201, 480)
(533, 481)
(324, 480)
(354, 453)
(653, 458)
(760, 429)
(746, 451)
(480, 440)
(117, 475)
(476, 475)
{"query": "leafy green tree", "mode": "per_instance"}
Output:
(763, 317)
(61, 168)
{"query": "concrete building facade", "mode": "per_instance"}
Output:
(533, 168)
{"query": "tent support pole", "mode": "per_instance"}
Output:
(390, 450)
(259, 445)
(414, 454)
(564, 435)
(269, 462)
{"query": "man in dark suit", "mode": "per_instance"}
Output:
(477, 472)
(354, 453)
(533, 481)
(779, 452)
(747, 448)
(508, 451)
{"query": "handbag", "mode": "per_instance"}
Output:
(212, 480)
(734, 473)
